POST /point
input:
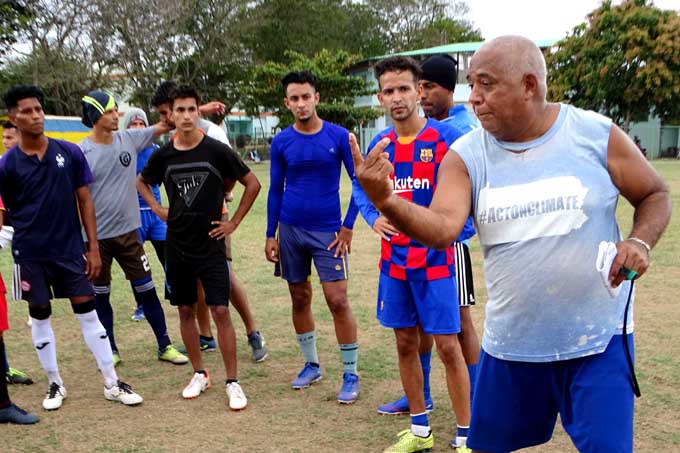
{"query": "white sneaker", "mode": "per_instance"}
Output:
(199, 383)
(237, 399)
(55, 396)
(122, 393)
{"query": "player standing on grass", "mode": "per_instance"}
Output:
(237, 291)
(542, 181)
(304, 205)
(43, 183)
(417, 287)
(112, 156)
(437, 84)
(197, 171)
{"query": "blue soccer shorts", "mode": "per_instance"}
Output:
(153, 228)
(299, 247)
(516, 403)
(403, 304)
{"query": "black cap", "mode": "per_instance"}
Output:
(442, 70)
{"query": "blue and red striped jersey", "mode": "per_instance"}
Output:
(416, 163)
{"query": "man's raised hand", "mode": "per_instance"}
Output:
(374, 172)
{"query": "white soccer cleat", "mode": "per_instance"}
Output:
(122, 393)
(55, 396)
(237, 399)
(199, 383)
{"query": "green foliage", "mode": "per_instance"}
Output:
(337, 89)
(14, 14)
(624, 62)
(447, 30)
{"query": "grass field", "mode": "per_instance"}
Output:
(279, 419)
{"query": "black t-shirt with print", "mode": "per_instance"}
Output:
(195, 182)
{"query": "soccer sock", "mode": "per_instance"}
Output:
(102, 296)
(96, 338)
(145, 294)
(204, 338)
(420, 426)
(44, 342)
(308, 345)
(472, 371)
(4, 359)
(349, 353)
(461, 435)
(425, 365)
(4, 394)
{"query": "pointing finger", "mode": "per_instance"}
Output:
(356, 152)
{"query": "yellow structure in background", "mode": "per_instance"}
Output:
(68, 128)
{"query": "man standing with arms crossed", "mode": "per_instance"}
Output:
(197, 171)
(417, 288)
(304, 205)
(437, 85)
(542, 181)
(112, 156)
(43, 183)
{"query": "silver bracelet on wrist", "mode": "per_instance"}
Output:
(641, 242)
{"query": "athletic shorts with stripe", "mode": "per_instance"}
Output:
(299, 247)
(128, 252)
(466, 287)
(39, 281)
(153, 228)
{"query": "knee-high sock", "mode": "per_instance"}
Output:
(102, 299)
(44, 342)
(425, 365)
(350, 353)
(4, 394)
(4, 359)
(132, 287)
(96, 339)
(145, 294)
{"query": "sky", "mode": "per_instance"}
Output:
(536, 19)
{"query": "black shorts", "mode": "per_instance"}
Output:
(182, 276)
(466, 287)
(39, 281)
(128, 252)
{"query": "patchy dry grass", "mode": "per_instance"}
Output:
(279, 419)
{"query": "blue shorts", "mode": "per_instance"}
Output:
(430, 303)
(153, 228)
(39, 281)
(298, 247)
(516, 403)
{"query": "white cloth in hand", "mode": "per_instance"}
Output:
(603, 264)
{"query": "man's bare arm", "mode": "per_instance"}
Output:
(437, 226)
(145, 191)
(252, 188)
(89, 221)
(644, 188)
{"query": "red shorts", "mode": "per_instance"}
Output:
(4, 324)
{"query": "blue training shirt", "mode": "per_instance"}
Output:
(41, 202)
(304, 186)
(142, 158)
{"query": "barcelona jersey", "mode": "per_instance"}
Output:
(416, 163)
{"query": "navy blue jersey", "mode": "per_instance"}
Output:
(41, 202)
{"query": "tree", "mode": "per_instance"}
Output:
(623, 62)
(14, 14)
(63, 59)
(337, 89)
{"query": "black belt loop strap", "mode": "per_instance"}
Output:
(626, 347)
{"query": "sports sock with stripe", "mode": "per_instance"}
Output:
(350, 353)
(102, 299)
(420, 425)
(145, 294)
(307, 343)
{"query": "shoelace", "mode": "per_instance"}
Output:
(125, 387)
(237, 391)
(52, 391)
